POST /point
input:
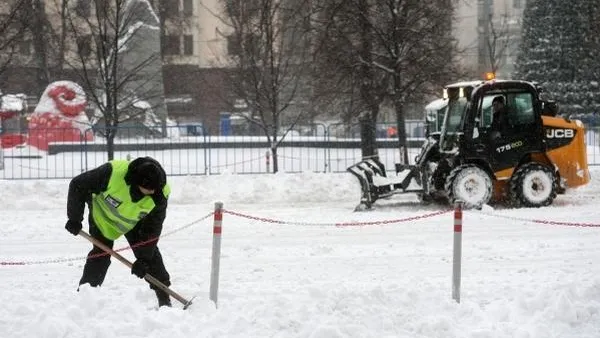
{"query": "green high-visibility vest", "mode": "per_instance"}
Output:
(113, 210)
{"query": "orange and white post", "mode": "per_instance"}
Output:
(216, 252)
(457, 251)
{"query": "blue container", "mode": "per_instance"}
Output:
(225, 124)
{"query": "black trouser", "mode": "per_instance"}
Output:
(98, 261)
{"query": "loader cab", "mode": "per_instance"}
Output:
(502, 136)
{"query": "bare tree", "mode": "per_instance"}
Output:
(401, 50)
(270, 57)
(416, 52)
(118, 62)
(496, 38)
(38, 25)
(344, 54)
(12, 31)
(335, 78)
(31, 24)
(56, 36)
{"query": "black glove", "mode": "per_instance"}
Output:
(139, 268)
(73, 227)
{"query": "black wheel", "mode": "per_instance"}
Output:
(533, 185)
(470, 184)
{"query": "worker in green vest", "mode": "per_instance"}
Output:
(123, 198)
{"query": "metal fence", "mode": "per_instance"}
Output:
(315, 148)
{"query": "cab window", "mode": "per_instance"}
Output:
(521, 107)
(486, 113)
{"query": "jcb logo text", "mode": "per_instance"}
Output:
(560, 133)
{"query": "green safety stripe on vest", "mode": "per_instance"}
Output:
(115, 212)
(102, 207)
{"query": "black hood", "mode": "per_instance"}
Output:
(146, 172)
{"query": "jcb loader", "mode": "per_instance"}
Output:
(527, 165)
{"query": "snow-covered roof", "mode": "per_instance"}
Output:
(178, 99)
(436, 105)
(142, 104)
(465, 84)
(13, 102)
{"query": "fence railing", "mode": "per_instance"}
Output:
(315, 148)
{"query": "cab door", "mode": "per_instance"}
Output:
(524, 134)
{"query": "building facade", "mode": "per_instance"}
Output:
(192, 44)
(195, 49)
(489, 34)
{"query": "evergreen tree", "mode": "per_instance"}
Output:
(558, 51)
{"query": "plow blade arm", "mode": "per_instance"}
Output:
(375, 184)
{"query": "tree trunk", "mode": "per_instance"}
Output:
(368, 120)
(401, 132)
(110, 147)
(368, 137)
(62, 40)
(275, 157)
(40, 41)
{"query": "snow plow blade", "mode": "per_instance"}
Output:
(375, 184)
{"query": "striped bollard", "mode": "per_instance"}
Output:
(457, 251)
(268, 160)
(216, 252)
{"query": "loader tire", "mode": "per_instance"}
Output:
(533, 185)
(470, 184)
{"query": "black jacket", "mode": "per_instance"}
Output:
(500, 121)
(96, 181)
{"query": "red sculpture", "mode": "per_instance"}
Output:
(60, 116)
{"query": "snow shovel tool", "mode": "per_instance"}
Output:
(186, 303)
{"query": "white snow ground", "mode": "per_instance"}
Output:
(306, 277)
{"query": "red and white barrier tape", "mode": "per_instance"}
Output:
(71, 259)
(274, 221)
(169, 233)
(539, 221)
(342, 224)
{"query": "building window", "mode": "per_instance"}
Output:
(188, 45)
(188, 8)
(517, 4)
(84, 45)
(171, 45)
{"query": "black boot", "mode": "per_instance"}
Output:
(94, 271)
(163, 298)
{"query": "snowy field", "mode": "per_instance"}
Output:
(288, 269)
